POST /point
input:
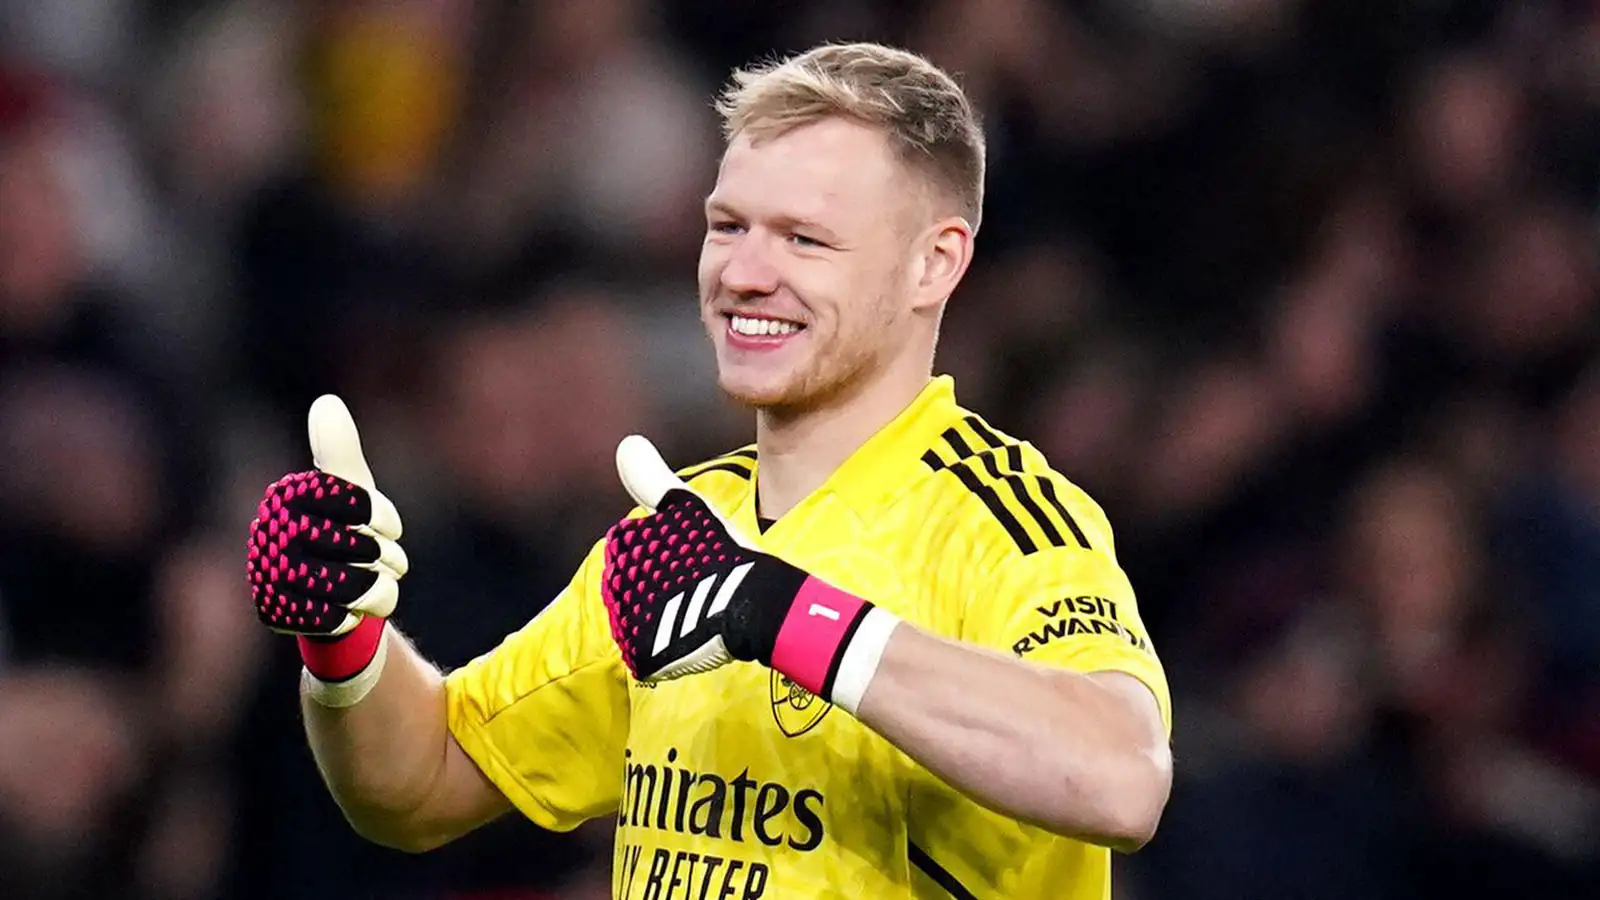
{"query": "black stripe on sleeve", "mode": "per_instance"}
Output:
(739, 462)
(997, 507)
(957, 443)
(1019, 487)
(739, 469)
(1049, 490)
(1012, 472)
(988, 435)
(938, 873)
(1014, 457)
(962, 469)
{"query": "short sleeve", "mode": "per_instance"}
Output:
(545, 714)
(1072, 608)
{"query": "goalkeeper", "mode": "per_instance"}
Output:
(885, 651)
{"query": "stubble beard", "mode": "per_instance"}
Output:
(831, 374)
(823, 381)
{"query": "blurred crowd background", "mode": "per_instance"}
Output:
(1303, 291)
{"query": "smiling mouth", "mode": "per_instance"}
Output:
(752, 327)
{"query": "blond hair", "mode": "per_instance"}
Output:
(919, 107)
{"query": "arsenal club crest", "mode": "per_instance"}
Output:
(796, 709)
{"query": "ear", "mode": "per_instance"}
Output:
(943, 254)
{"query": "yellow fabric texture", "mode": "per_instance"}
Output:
(737, 784)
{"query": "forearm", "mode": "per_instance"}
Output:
(324, 564)
(1051, 747)
(382, 758)
(1084, 756)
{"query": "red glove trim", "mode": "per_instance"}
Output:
(820, 623)
(345, 656)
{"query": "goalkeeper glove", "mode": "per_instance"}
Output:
(686, 593)
(323, 562)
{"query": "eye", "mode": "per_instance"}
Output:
(724, 226)
(801, 240)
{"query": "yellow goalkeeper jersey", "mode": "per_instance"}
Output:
(736, 784)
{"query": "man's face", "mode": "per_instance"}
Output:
(803, 283)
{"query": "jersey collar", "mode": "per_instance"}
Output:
(892, 458)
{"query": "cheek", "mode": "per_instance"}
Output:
(876, 304)
(853, 334)
(707, 273)
(845, 303)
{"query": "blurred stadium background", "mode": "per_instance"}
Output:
(1304, 291)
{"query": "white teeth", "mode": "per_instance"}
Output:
(762, 327)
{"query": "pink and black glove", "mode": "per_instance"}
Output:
(687, 593)
(323, 560)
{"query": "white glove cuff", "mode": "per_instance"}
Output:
(350, 691)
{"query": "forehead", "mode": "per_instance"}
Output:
(833, 169)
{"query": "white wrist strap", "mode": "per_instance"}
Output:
(861, 658)
(341, 694)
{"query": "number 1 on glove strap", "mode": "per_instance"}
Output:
(831, 641)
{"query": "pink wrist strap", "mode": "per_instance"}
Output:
(831, 641)
(345, 656)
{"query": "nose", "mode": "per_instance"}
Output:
(749, 270)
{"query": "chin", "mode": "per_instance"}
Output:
(769, 387)
(794, 394)
(758, 393)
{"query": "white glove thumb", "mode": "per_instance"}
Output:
(335, 443)
(336, 450)
(648, 478)
(644, 473)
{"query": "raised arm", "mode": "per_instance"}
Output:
(324, 564)
(390, 761)
(413, 758)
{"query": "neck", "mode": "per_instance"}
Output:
(800, 450)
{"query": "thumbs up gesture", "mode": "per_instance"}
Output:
(687, 593)
(323, 555)
(670, 576)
